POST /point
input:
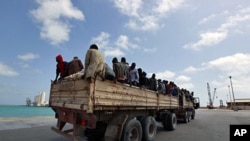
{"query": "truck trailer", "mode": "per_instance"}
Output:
(113, 111)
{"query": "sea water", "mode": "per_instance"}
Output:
(24, 111)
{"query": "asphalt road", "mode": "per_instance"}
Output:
(209, 125)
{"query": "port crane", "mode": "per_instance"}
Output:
(211, 100)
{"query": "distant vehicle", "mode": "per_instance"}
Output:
(196, 102)
(114, 111)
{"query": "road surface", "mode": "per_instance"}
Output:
(208, 125)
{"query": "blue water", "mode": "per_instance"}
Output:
(24, 111)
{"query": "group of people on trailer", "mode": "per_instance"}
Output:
(123, 73)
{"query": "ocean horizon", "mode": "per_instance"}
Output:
(8, 111)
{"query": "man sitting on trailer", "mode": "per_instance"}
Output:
(94, 64)
(75, 66)
(118, 68)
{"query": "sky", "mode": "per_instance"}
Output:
(189, 42)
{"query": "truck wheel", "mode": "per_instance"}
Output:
(170, 121)
(132, 131)
(193, 114)
(185, 117)
(149, 128)
(189, 117)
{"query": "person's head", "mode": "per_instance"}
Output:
(153, 75)
(139, 70)
(93, 46)
(59, 58)
(123, 60)
(75, 57)
(114, 60)
(133, 66)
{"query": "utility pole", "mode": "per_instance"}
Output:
(230, 77)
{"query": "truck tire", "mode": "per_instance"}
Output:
(185, 117)
(132, 131)
(189, 116)
(193, 114)
(170, 121)
(149, 129)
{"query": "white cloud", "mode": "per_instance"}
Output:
(190, 69)
(189, 86)
(209, 38)
(237, 64)
(183, 78)
(164, 6)
(146, 15)
(114, 52)
(149, 49)
(129, 7)
(124, 43)
(7, 71)
(101, 40)
(114, 48)
(28, 56)
(213, 17)
(53, 15)
(166, 75)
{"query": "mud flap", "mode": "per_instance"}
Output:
(115, 127)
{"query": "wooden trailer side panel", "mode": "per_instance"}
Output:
(109, 94)
(72, 94)
(106, 95)
(187, 102)
(168, 101)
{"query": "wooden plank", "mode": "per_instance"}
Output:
(121, 97)
(103, 95)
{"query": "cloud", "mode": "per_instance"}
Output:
(213, 17)
(123, 42)
(54, 16)
(102, 40)
(113, 48)
(209, 38)
(28, 56)
(7, 71)
(164, 6)
(237, 64)
(183, 78)
(149, 49)
(146, 16)
(190, 69)
(166, 75)
(114, 52)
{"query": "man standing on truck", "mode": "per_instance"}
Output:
(94, 63)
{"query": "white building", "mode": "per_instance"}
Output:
(39, 100)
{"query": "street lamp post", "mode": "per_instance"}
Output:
(230, 77)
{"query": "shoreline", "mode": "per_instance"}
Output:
(26, 122)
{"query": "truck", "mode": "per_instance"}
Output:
(109, 111)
